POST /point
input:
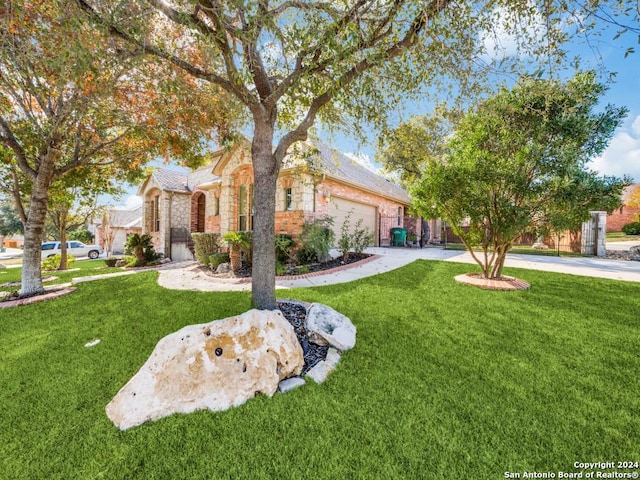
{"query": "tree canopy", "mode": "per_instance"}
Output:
(517, 162)
(290, 63)
(76, 102)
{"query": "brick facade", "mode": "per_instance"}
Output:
(299, 196)
(621, 217)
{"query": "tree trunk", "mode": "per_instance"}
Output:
(235, 258)
(63, 245)
(33, 229)
(265, 174)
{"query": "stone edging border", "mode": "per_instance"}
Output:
(38, 298)
(506, 283)
(319, 273)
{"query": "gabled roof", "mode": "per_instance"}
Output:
(171, 180)
(126, 218)
(201, 176)
(337, 165)
(181, 182)
(319, 158)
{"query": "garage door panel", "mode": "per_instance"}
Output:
(340, 209)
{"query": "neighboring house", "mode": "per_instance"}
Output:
(314, 181)
(625, 214)
(118, 225)
(13, 241)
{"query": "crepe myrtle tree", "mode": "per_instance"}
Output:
(291, 63)
(518, 161)
(73, 100)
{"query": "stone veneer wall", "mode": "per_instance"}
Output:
(308, 199)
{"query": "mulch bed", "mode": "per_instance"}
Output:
(12, 301)
(296, 313)
(503, 283)
(314, 267)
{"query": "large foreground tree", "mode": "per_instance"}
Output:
(517, 162)
(346, 62)
(73, 99)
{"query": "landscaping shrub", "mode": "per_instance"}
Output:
(247, 247)
(357, 241)
(205, 245)
(284, 248)
(316, 240)
(218, 258)
(111, 262)
(344, 242)
(235, 241)
(142, 247)
(362, 238)
(632, 228)
(53, 262)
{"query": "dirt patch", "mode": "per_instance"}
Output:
(504, 283)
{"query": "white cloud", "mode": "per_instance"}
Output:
(508, 35)
(132, 201)
(622, 157)
(364, 160)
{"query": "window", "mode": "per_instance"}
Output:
(245, 208)
(399, 216)
(75, 245)
(216, 206)
(48, 246)
(288, 199)
(155, 214)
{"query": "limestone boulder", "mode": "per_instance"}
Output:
(325, 326)
(223, 268)
(211, 366)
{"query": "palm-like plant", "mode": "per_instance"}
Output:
(138, 244)
(235, 242)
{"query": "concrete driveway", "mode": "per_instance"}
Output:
(622, 246)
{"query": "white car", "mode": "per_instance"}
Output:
(77, 249)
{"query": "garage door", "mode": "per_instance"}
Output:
(339, 209)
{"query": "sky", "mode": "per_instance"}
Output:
(622, 157)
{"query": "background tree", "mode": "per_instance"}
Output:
(10, 223)
(71, 207)
(71, 98)
(406, 149)
(634, 201)
(519, 159)
(289, 63)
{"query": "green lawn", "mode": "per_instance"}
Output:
(446, 381)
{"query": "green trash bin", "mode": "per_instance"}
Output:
(399, 237)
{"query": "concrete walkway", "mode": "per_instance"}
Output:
(191, 278)
(392, 258)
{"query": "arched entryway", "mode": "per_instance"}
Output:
(198, 207)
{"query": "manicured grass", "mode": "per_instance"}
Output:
(446, 382)
(81, 268)
(621, 237)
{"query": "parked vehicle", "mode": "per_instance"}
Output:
(77, 249)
